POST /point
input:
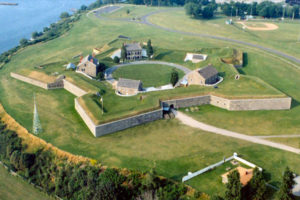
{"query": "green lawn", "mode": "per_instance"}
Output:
(285, 38)
(172, 147)
(294, 142)
(16, 188)
(150, 75)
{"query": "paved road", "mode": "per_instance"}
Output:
(196, 124)
(277, 136)
(109, 71)
(145, 20)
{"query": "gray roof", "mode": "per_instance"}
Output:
(129, 83)
(199, 57)
(90, 59)
(133, 47)
(208, 72)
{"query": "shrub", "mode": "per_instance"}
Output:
(116, 59)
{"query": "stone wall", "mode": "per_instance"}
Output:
(29, 80)
(87, 120)
(232, 104)
(56, 85)
(74, 89)
(261, 104)
(187, 102)
(220, 102)
(129, 122)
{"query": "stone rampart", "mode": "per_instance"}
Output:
(73, 89)
(219, 102)
(231, 104)
(56, 85)
(261, 104)
(84, 116)
(187, 102)
(29, 80)
(129, 122)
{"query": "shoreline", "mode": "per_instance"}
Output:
(8, 4)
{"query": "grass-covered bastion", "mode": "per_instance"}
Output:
(105, 112)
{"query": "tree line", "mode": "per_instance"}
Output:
(51, 32)
(84, 180)
(266, 9)
(256, 188)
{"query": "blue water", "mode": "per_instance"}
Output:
(17, 22)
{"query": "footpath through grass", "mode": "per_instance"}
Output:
(284, 39)
(173, 148)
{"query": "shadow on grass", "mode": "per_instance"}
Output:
(97, 101)
(162, 55)
(295, 103)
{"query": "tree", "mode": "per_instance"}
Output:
(64, 15)
(285, 190)
(123, 52)
(174, 77)
(149, 49)
(116, 59)
(83, 7)
(257, 185)
(208, 12)
(23, 42)
(233, 187)
(35, 34)
(100, 71)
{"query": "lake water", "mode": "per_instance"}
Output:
(17, 22)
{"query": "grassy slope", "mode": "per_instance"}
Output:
(150, 75)
(15, 188)
(174, 148)
(284, 38)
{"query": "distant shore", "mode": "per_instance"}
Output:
(8, 4)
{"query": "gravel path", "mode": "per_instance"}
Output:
(109, 71)
(145, 20)
(277, 136)
(189, 121)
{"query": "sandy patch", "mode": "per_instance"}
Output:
(42, 77)
(259, 26)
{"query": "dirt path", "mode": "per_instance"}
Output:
(268, 26)
(189, 121)
(109, 71)
(145, 20)
(277, 136)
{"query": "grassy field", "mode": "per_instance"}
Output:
(294, 142)
(150, 75)
(284, 39)
(16, 188)
(173, 148)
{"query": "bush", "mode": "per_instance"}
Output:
(116, 59)
(64, 15)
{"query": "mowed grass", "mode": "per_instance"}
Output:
(16, 188)
(150, 75)
(173, 148)
(284, 39)
(291, 141)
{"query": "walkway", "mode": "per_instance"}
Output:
(145, 20)
(189, 121)
(277, 136)
(108, 72)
